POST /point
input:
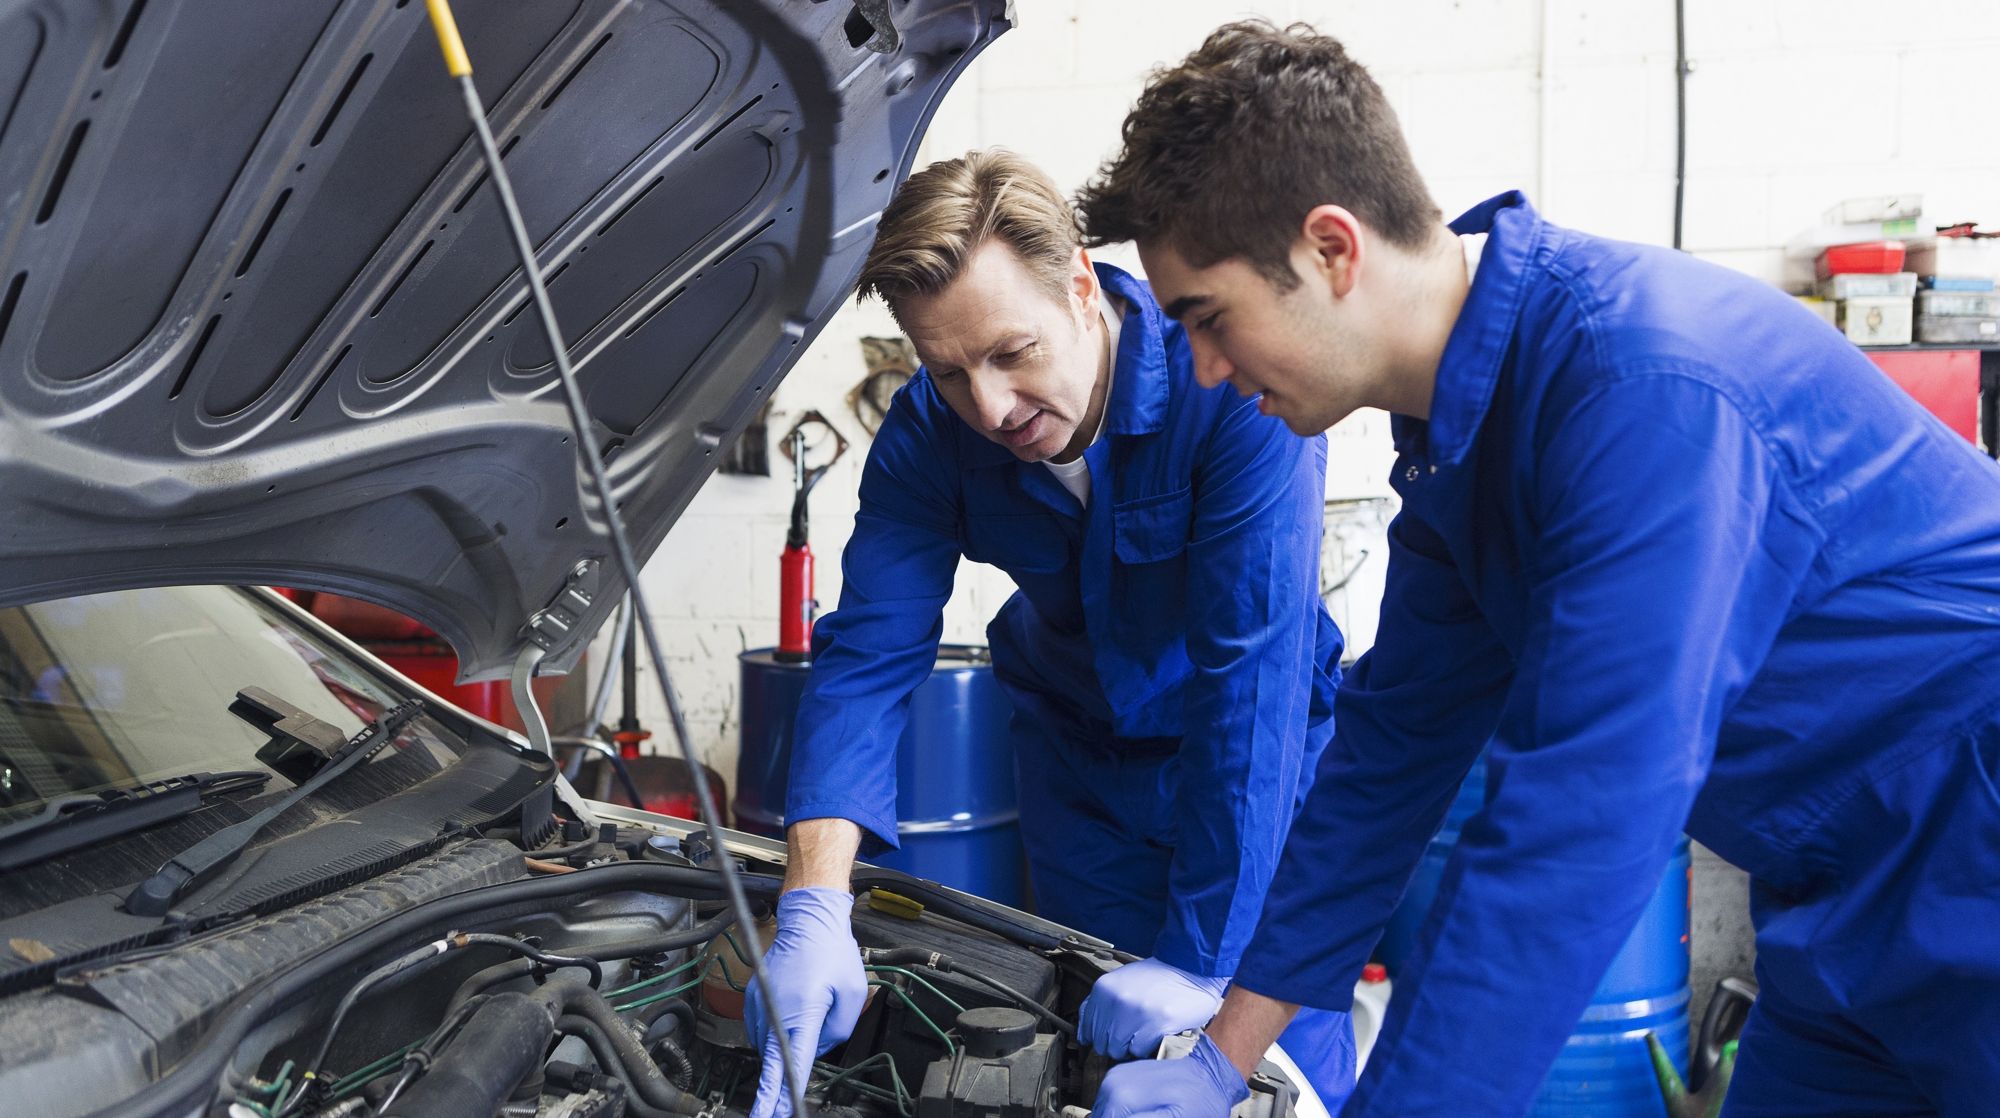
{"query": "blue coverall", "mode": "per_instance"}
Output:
(1170, 663)
(1686, 559)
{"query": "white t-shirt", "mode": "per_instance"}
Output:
(1075, 476)
(1473, 244)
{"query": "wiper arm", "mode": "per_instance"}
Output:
(202, 861)
(80, 819)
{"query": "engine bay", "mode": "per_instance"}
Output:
(598, 974)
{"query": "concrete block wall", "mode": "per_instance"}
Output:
(1792, 105)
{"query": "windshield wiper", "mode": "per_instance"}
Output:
(79, 819)
(202, 861)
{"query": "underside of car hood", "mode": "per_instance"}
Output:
(260, 320)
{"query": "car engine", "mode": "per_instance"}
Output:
(594, 976)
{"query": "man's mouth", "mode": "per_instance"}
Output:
(1026, 432)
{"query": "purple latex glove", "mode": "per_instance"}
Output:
(1131, 1009)
(1201, 1085)
(815, 970)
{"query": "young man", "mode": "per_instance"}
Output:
(1676, 550)
(1170, 664)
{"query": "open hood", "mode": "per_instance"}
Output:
(261, 322)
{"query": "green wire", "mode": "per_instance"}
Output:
(367, 1073)
(730, 938)
(950, 1048)
(266, 1090)
(655, 980)
(921, 981)
(659, 997)
(900, 1095)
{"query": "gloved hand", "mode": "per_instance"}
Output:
(1200, 1085)
(1133, 1007)
(815, 970)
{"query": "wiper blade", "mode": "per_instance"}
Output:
(156, 895)
(80, 819)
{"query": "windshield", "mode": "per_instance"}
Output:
(111, 689)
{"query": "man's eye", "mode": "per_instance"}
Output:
(948, 376)
(1208, 324)
(1014, 355)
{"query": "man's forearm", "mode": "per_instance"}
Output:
(821, 853)
(1247, 1025)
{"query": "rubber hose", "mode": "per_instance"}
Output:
(679, 1068)
(604, 1050)
(673, 1017)
(500, 1045)
(575, 1005)
(677, 940)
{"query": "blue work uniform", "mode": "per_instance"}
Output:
(1687, 560)
(1170, 663)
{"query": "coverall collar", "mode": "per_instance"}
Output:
(1470, 367)
(1138, 404)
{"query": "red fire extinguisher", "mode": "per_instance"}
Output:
(796, 604)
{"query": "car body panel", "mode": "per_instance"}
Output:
(261, 322)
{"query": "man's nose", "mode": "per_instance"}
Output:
(992, 398)
(1210, 366)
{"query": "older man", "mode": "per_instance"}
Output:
(1170, 664)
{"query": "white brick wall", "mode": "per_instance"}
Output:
(1793, 104)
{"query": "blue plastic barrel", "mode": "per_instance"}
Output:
(1604, 1070)
(958, 818)
(1399, 937)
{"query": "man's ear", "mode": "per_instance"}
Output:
(1083, 284)
(1332, 244)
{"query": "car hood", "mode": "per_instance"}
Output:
(261, 321)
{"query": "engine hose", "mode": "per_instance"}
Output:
(500, 1046)
(677, 940)
(678, 1067)
(604, 1049)
(584, 1012)
(670, 1018)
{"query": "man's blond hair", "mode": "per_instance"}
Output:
(945, 211)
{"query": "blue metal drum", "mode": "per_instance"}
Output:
(958, 815)
(1604, 1070)
(1399, 937)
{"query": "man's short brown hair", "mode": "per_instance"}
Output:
(945, 211)
(1226, 153)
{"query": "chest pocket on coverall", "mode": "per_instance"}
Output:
(1150, 538)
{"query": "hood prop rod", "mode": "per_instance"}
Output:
(460, 67)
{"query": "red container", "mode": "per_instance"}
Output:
(1945, 382)
(1867, 258)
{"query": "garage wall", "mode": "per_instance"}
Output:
(1793, 104)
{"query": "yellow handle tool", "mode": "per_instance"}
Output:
(455, 58)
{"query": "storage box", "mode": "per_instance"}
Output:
(1877, 321)
(1872, 257)
(1955, 256)
(1962, 304)
(1860, 285)
(1821, 307)
(1881, 207)
(1942, 329)
(1957, 283)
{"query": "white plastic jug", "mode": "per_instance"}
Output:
(1371, 1005)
